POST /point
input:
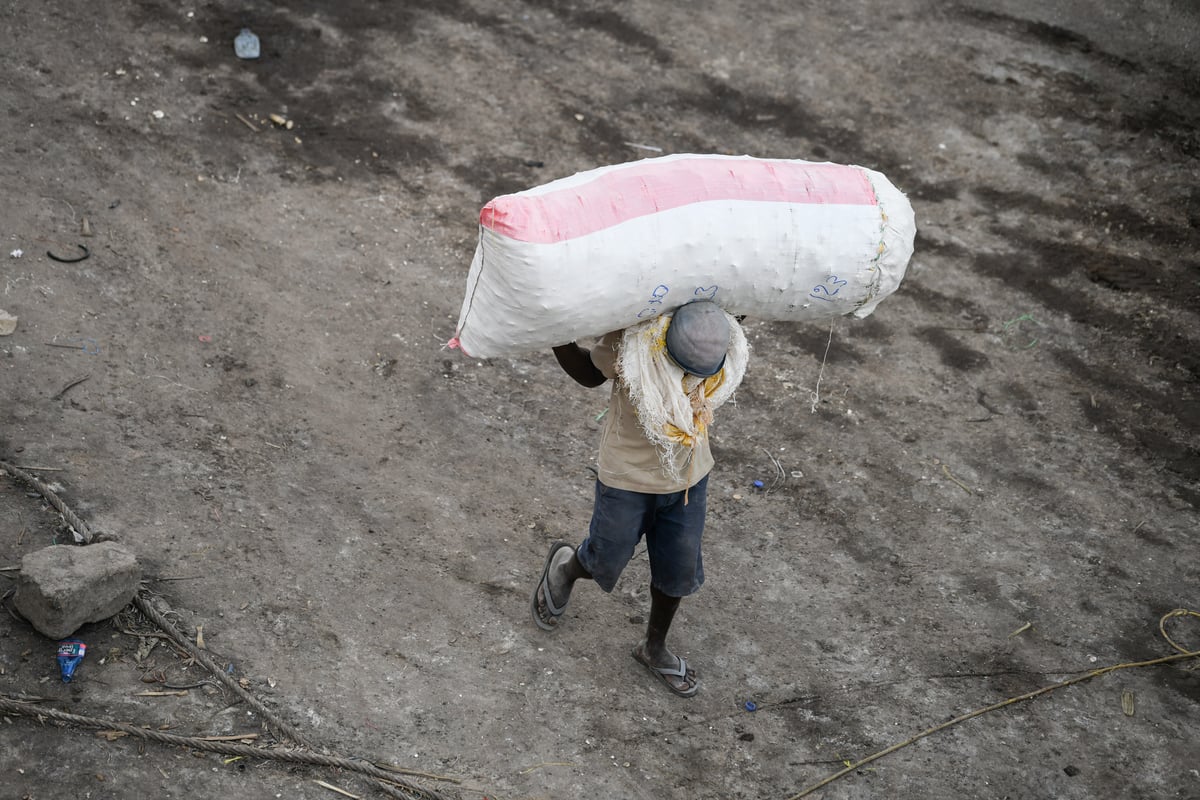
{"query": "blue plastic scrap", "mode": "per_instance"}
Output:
(246, 44)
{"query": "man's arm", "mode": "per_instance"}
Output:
(577, 362)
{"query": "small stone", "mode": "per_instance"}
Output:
(1071, 770)
(63, 587)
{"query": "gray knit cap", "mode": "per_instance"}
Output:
(698, 338)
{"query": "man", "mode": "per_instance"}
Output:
(669, 374)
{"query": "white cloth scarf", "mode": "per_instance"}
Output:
(675, 408)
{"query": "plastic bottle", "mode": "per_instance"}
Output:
(70, 654)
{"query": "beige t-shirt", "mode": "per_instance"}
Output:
(627, 458)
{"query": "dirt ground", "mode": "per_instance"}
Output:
(990, 486)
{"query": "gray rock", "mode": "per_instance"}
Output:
(63, 587)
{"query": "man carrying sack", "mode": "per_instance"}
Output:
(669, 375)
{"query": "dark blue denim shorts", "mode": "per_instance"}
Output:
(672, 529)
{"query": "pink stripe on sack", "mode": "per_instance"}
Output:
(659, 185)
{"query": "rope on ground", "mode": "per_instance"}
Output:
(388, 781)
(79, 528)
(1096, 673)
(277, 726)
(14, 706)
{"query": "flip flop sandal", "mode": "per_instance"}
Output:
(544, 587)
(666, 673)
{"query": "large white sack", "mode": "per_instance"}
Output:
(603, 249)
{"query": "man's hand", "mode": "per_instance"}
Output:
(577, 362)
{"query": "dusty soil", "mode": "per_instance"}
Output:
(988, 487)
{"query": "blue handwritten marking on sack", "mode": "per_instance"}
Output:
(822, 292)
(653, 305)
(706, 292)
